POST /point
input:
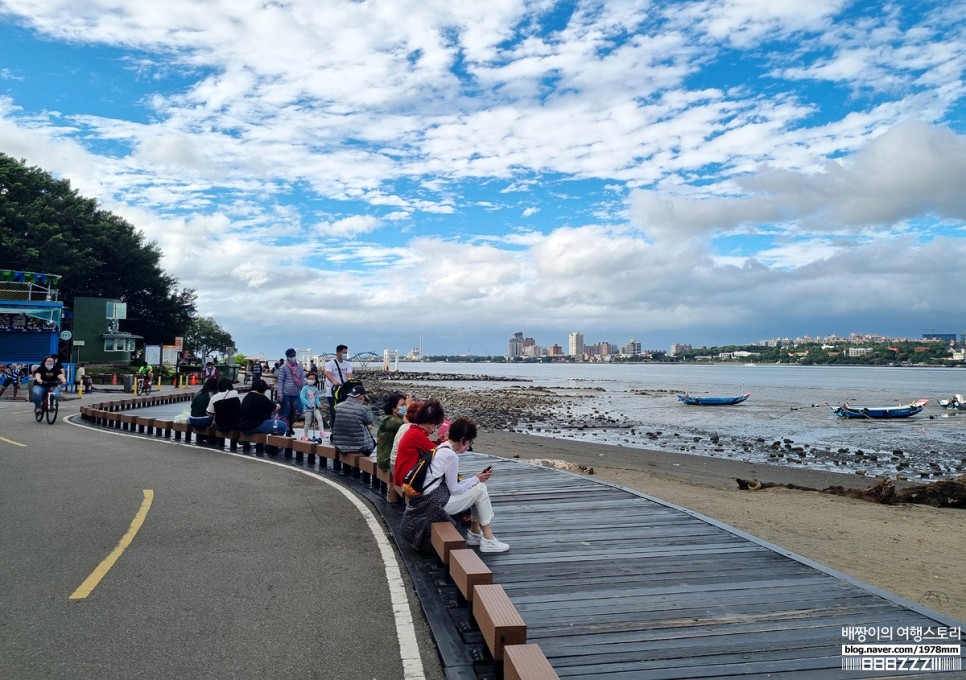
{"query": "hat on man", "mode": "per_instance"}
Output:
(290, 352)
(357, 390)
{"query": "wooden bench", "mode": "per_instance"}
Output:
(526, 662)
(468, 571)
(178, 430)
(325, 453)
(303, 447)
(498, 620)
(165, 428)
(384, 482)
(148, 424)
(282, 442)
(367, 466)
(259, 440)
(349, 463)
(127, 421)
(445, 538)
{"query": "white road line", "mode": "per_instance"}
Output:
(405, 629)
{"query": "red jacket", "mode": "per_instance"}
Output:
(413, 441)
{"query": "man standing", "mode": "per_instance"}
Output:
(288, 388)
(337, 371)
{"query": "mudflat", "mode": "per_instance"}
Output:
(914, 551)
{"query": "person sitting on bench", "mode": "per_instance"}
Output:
(446, 495)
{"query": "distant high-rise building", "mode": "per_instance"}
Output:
(556, 350)
(677, 348)
(575, 344)
(632, 348)
(515, 345)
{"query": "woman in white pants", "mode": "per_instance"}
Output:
(445, 495)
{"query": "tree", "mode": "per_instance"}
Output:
(47, 227)
(204, 336)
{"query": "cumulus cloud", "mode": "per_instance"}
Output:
(910, 170)
(713, 164)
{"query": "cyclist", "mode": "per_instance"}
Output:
(50, 374)
(146, 374)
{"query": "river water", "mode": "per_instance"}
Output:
(785, 421)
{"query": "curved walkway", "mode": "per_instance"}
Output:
(613, 584)
(236, 571)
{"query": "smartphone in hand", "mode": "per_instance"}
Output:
(488, 468)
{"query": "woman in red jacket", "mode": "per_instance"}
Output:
(423, 423)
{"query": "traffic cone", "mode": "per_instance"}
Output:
(114, 378)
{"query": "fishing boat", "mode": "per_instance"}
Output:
(955, 404)
(900, 411)
(713, 401)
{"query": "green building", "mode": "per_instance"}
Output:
(96, 331)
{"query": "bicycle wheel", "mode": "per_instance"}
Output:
(139, 389)
(52, 409)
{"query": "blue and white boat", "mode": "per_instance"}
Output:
(713, 401)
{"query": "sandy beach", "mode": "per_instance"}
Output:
(914, 551)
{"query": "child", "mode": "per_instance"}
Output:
(311, 397)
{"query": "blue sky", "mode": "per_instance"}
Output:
(380, 173)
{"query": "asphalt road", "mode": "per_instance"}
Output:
(241, 569)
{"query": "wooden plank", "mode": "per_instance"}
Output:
(468, 571)
(499, 622)
(445, 537)
(526, 662)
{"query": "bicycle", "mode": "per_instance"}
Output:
(144, 386)
(49, 405)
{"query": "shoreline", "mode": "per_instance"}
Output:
(905, 549)
(587, 414)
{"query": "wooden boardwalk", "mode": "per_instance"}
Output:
(615, 585)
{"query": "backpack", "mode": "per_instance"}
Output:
(415, 480)
(341, 392)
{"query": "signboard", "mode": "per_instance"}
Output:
(66, 335)
(152, 354)
(169, 354)
(78, 343)
(179, 343)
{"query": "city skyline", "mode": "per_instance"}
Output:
(374, 172)
(518, 344)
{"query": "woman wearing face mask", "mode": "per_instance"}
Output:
(422, 423)
(446, 495)
(394, 410)
(311, 397)
(50, 372)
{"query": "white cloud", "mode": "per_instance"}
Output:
(280, 140)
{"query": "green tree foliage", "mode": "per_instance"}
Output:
(204, 336)
(45, 226)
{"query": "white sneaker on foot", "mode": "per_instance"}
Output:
(473, 539)
(493, 545)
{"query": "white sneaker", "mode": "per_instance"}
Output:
(493, 545)
(473, 539)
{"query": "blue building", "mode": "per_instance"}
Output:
(30, 316)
